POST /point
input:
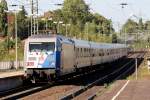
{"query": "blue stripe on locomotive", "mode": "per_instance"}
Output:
(58, 53)
(49, 61)
(52, 61)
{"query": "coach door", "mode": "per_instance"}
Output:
(68, 58)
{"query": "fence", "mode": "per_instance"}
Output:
(10, 65)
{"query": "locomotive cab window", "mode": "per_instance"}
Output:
(41, 46)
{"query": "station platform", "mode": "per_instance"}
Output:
(11, 74)
(127, 90)
(10, 80)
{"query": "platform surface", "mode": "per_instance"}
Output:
(134, 90)
(11, 74)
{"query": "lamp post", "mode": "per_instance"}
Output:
(16, 35)
(87, 31)
(138, 18)
(46, 22)
(66, 28)
(28, 25)
(60, 22)
(136, 59)
(58, 25)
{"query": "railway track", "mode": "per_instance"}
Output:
(30, 89)
(85, 92)
(63, 89)
(93, 88)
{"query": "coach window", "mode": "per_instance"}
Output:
(96, 52)
(84, 52)
(99, 51)
(78, 52)
(103, 54)
(107, 52)
(100, 54)
(111, 52)
(88, 52)
(81, 52)
(75, 50)
(92, 51)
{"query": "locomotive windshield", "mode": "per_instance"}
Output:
(41, 46)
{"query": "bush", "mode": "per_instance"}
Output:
(8, 44)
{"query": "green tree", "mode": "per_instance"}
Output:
(75, 10)
(76, 13)
(114, 38)
(3, 17)
(104, 26)
(22, 23)
(147, 25)
(75, 30)
(140, 25)
(90, 27)
(130, 26)
(58, 15)
(11, 26)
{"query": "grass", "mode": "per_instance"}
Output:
(11, 55)
(143, 72)
(141, 44)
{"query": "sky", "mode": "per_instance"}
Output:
(110, 9)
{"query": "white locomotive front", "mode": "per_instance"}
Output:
(41, 57)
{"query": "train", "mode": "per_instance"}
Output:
(50, 56)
